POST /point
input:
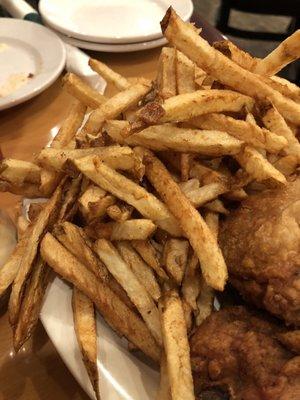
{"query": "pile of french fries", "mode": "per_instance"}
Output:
(136, 184)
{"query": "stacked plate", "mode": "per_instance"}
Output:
(111, 25)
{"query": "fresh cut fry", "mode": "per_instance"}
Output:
(94, 202)
(109, 75)
(237, 55)
(119, 212)
(176, 347)
(164, 391)
(185, 74)
(201, 239)
(18, 172)
(123, 320)
(204, 302)
(85, 329)
(166, 75)
(191, 281)
(175, 257)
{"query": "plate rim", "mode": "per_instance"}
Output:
(49, 79)
(42, 7)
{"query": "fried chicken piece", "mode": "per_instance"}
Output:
(261, 245)
(239, 350)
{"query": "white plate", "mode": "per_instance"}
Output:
(113, 48)
(27, 48)
(122, 375)
(111, 21)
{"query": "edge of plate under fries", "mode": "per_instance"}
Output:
(136, 191)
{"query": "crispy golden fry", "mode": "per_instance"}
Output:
(176, 347)
(183, 36)
(285, 87)
(119, 212)
(175, 257)
(70, 126)
(185, 74)
(22, 225)
(258, 167)
(287, 165)
(114, 156)
(28, 190)
(75, 241)
(206, 174)
(70, 204)
(114, 311)
(31, 304)
(149, 254)
(191, 281)
(115, 106)
(82, 91)
(248, 132)
(212, 221)
(201, 239)
(34, 210)
(190, 185)
(125, 189)
(109, 75)
(94, 202)
(185, 165)
(205, 193)
(49, 181)
(166, 73)
(285, 53)
(237, 55)
(18, 172)
(86, 333)
(200, 76)
(44, 221)
(127, 279)
(204, 302)
(188, 315)
(216, 206)
(275, 122)
(169, 137)
(142, 271)
(164, 390)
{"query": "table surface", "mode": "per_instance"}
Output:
(37, 372)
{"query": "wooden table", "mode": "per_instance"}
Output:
(37, 372)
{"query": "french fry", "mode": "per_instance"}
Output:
(185, 74)
(70, 126)
(109, 75)
(205, 193)
(164, 391)
(125, 189)
(149, 254)
(287, 165)
(176, 347)
(237, 55)
(166, 75)
(132, 229)
(31, 304)
(85, 329)
(207, 175)
(22, 225)
(45, 220)
(212, 221)
(94, 202)
(82, 91)
(285, 53)
(204, 302)
(114, 107)
(28, 190)
(258, 167)
(119, 212)
(185, 164)
(285, 87)
(191, 281)
(183, 36)
(49, 181)
(201, 239)
(74, 240)
(248, 132)
(34, 210)
(169, 137)
(190, 185)
(136, 292)
(142, 271)
(17, 172)
(189, 105)
(216, 206)
(115, 156)
(123, 320)
(175, 257)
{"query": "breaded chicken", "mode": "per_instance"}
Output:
(237, 350)
(261, 245)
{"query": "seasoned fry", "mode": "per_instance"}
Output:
(17, 172)
(216, 206)
(285, 53)
(201, 239)
(22, 225)
(175, 257)
(183, 36)
(206, 193)
(190, 185)
(212, 221)
(132, 229)
(166, 75)
(191, 281)
(136, 292)
(206, 174)
(185, 74)
(75, 241)
(185, 164)
(142, 271)
(115, 106)
(170, 137)
(82, 91)
(28, 190)
(146, 203)
(204, 302)
(287, 164)
(164, 391)
(94, 202)
(119, 212)
(114, 311)
(85, 329)
(258, 167)
(248, 132)
(45, 219)
(150, 256)
(109, 75)
(176, 347)
(237, 55)
(31, 304)
(70, 126)
(114, 156)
